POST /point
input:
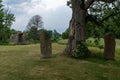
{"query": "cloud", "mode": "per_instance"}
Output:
(53, 4)
(12, 2)
(55, 13)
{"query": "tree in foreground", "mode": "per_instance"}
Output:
(33, 27)
(6, 20)
(84, 11)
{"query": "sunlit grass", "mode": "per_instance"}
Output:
(63, 41)
(22, 62)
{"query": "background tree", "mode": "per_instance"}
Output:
(107, 16)
(55, 36)
(33, 27)
(84, 11)
(65, 34)
(13, 31)
(6, 20)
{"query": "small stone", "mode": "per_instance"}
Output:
(109, 50)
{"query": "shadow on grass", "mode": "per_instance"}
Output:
(98, 58)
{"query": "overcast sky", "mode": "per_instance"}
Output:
(55, 13)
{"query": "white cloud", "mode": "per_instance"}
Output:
(55, 13)
(53, 4)
(20, 23)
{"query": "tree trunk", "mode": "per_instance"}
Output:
(76, 26)
(71, 40)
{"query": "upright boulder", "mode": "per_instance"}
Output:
(46, 47)
(109, 50)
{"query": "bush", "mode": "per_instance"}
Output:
(81, 51)
(4, 43)
(63, 41)
(90, 43)
(65, 34)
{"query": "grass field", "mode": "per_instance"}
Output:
(22, 62)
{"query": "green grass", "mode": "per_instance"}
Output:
(22, 62)
(63, 41)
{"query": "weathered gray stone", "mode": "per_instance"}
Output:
(17, 38)
(109, 50)
(46, 47)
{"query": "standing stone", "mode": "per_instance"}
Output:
(109, 51)
(20, 38)
(46, 48)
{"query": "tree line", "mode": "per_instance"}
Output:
(33, 28)
(90, 18)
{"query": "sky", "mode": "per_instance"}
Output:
(55, 13)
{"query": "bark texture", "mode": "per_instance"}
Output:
(78, 22)
(76, 26)
(46, 47)
(109, 51)
(71, 40)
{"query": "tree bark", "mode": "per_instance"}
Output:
(71, 40)
(78, 23)
(76, 26)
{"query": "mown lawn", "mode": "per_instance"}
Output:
(22, 62)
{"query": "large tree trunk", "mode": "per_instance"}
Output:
(71, 41)
(76, 26)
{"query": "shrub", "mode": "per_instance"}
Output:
(4, 43)
(90, 43)
(62, 41)
(81, 51)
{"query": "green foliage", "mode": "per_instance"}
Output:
(13, 31)
(33, 34)
(81, 51)
(90, 42)
(49, 33)
(106, 19)
(98, 43)
(4, 43)
(94, 30)
(33, 31)
(95, 42)
(55, 36)
(6, 20)
(112, 25)
(46, 32)
(65, 34)
(23, 63)
(63, 41)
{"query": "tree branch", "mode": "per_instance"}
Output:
(97, 21)
(93, 19)
(107, 1)
(88, 3)
(112, 14)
